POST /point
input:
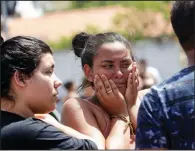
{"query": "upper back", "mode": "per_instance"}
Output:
(176, 96)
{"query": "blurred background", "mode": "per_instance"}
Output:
(145, 24)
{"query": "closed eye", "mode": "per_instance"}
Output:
(49, 72)
(125, 65)
(107, 66)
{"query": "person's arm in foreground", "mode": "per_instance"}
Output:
(150, 132)
(67, 130)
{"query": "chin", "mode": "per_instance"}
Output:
(50, 109)
(53, 107)
(122, 90)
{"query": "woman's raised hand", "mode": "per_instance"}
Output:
(132, 86)
(109, 96)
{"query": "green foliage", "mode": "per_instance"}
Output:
(128, 25)
(157, 6)
(87, 4)
(92, 29)
(62, 43)
(66, 42)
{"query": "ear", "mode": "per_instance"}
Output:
(19, 79)
(88, 72)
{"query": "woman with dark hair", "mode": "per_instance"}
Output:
(27, 89)
(110, 68)
(71, 90)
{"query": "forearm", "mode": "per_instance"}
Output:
(71, 132)
(133, 111)
(119, 136)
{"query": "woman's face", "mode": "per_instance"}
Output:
(113, 60)
(41, 91)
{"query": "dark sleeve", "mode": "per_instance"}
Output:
(51, 138)
(150, 132)
(34, 134)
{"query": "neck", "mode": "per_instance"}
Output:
(15, 107)
(190, 57)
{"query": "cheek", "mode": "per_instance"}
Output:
(44, 83)
(126, 73)
(107, 73)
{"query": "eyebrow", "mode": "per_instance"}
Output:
(107, 61)
(126, 60)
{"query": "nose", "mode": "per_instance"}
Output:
(57, 83)
(118, 73)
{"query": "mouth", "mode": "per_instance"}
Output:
(55, 96)
(120, 85)
(55, 99)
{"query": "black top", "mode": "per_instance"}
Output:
(18, 133)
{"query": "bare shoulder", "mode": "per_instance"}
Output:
(77, 111)
(77, 114)
(74, 105)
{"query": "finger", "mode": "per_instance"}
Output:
(114, 87)
(137, 83)
(134, 64)
(137, 76)
(135, 79)
(107, 85)
(98, 87)
(129, 80)
(131, 66)
(133, 75)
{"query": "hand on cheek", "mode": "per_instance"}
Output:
(132, 86)
(109, 96)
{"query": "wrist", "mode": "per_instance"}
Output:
(125, 114)
(126, 120)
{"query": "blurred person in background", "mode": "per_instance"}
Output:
(149, 75)
(110, 69)
(28, 94)
(166, 115)
(151, 70)
(70, 86)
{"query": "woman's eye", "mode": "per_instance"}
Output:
(49, 72)
(108, 66)
(125, 65)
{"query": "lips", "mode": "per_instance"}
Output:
(119, 85)
(55, 94)
(55, 98)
